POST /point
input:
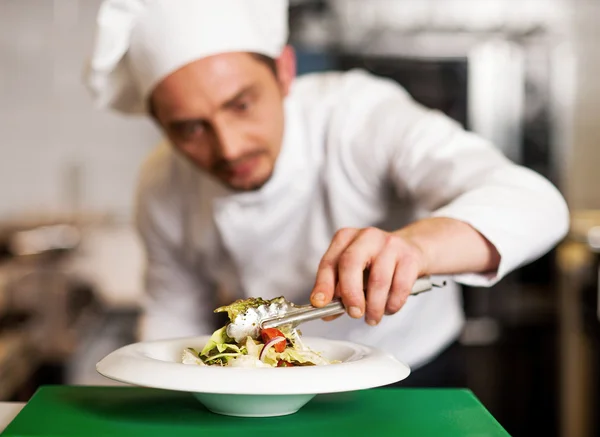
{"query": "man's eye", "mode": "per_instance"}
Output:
(191, 129)
(242, 106)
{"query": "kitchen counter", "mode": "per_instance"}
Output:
(8, 411)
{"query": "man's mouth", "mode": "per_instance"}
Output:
(244, 168)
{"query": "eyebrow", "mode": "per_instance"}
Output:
(178, 123)
(231, 101)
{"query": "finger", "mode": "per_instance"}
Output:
(337, 293)
(405, 276)
(326, 278)
(356, 257)
(379, 284)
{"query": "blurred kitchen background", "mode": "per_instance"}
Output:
(522, 73)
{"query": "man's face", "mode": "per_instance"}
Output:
(225, 114)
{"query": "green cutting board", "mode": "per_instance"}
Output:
(68, 411)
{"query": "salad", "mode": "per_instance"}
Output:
(236, 346)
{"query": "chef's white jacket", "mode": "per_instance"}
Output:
(357, 152)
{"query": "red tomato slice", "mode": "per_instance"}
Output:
(269, 334)
(282, 363)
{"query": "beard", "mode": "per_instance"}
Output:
(225, 170)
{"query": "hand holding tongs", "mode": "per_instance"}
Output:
(304, 313)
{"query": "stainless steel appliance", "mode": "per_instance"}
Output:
(44, 309)
(512, 85)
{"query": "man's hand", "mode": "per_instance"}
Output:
(394, 264)
(433, 246)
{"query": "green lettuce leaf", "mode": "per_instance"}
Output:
(253, 348)
(222, 358)
(190, 356)
(216, 341)
(230, 346)
(302, 357)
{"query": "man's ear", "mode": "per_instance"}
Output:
(286, 68)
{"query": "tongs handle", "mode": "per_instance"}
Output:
(335, 307)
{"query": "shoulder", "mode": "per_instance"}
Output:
(351, 99)
(347, 84)
(364, 96)
(364, 123)
(343, 83)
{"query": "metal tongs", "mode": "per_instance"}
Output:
(297, 314)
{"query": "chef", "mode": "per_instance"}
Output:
(269, 184)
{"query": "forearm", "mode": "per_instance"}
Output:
(450, 246)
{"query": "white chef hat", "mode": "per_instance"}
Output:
(140, 42)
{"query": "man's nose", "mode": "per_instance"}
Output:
(229, 141)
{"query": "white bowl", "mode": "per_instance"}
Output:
(252, 392)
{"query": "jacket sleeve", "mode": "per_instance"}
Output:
(178, 301)
(449, 172)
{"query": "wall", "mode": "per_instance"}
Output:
(50, 135)
(583, 181)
